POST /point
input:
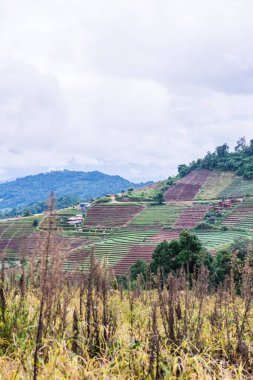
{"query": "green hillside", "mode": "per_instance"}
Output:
(70, 187)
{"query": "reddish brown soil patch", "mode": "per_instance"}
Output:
(111, 216)
(165, 235)
(136, 252)
(191, 217)
(187, 187)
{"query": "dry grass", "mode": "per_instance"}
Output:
(169, 333)
(214, 185)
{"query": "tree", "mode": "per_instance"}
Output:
(170, 181)
(251, 147)
(241, 144)
(187, 252)
(221, 266)
(183, 170)
(160, 198)
(190, 251)
(243, 249)
(164, 257)
(139, 267)
(35, 223)
(209, 161)
(122, 281)
(222, 150)
(26, 213)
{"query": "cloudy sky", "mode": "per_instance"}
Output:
(129, 87)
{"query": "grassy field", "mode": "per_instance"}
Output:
(158, 215)
(214, 185)
(90, 329)
(238, 188)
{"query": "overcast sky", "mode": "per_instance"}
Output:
(128, 87)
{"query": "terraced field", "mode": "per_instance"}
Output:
(124, 232)
(124, 238)
(241, 216)
(112, 248)
(188, 218)
(187, 188)
(165, 235)
(238, 188)
(112, 215)
(191, 216)
(16, 228)
(216, 239)
(122, 252)
(14, 234)
(158, 216)
(141, 252)
(216, 183)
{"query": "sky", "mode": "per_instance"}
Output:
(127, 87)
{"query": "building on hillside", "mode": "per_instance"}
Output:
(75, 220)
(84, 206)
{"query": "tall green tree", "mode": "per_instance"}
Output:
(160, 198)
(187, 252)
(139, 267)
(222, 150)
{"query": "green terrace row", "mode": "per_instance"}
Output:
(161, 215)
(246, 222)
(115, 247)
(215, 239)
(241, 216)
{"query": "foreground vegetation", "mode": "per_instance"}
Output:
(86, 326)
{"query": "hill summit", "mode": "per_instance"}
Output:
(69, 186)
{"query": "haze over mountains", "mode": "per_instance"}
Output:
(76, 185)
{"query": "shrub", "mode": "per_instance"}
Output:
(35, 223)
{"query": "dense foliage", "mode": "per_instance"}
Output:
(187, 252)
(84, 326)
(239, 161)
(232, 259)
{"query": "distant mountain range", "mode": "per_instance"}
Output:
(69, 186)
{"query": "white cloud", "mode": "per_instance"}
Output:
(129, 87)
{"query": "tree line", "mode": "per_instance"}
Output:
(239, 161)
